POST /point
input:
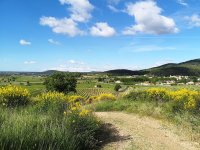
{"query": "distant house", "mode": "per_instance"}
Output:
(118, 82)
(146, 84)
(198, 83)
(180, 83)
(190, 83)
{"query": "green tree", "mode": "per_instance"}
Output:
(61, 82)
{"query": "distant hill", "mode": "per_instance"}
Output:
(188, 68)
(121, 72)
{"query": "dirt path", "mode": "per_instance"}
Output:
(144, 133)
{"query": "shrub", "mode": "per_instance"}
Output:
(13, 96)
(103, 97)
(182, 99)
(117, 87)
(186, 99)
(92, 99)
(158, 94)
(53, 102)
(135, 95)
(75, 98)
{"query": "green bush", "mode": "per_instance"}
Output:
(117, 87)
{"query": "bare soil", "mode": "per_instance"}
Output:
(131, 131)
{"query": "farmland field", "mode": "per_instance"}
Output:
(88, 92)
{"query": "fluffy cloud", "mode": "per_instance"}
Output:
(148, 19)
(80, 12)
(74, 66)
(80, 9)
(194, 20)
(24, 42)
(53, 42)
(102, 29)
(64, 26)
(30, 62)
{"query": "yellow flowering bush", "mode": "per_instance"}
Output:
(14, 96)
(158, 94)
(76, 98)
(184, 99)
(52, 102)
(106, 97)
(51, 96)
(77, 108)
(92, 99)
(187, 99)
(56, 102)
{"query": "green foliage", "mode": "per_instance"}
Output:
(98, 86)
(101, 79)
(117, 87)
(61, 82)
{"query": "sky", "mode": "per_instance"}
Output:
(97, 35)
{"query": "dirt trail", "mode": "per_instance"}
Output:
(144, 133)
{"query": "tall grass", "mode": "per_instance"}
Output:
(51, 121)
(26, 129)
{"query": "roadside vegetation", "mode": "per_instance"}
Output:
(51, 120)
(182, 107)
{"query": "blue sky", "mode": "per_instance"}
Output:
(97, 35)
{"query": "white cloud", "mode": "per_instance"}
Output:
(80, 9)
(64, 26)
(148, 19)
(53, 42)
(113, 9)
(74, 66)
(102, 29)
(88, 68)
(194, 20)
(80, 12)
(182, 2)
(24, 42)
(75, 62)
(30, 62)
